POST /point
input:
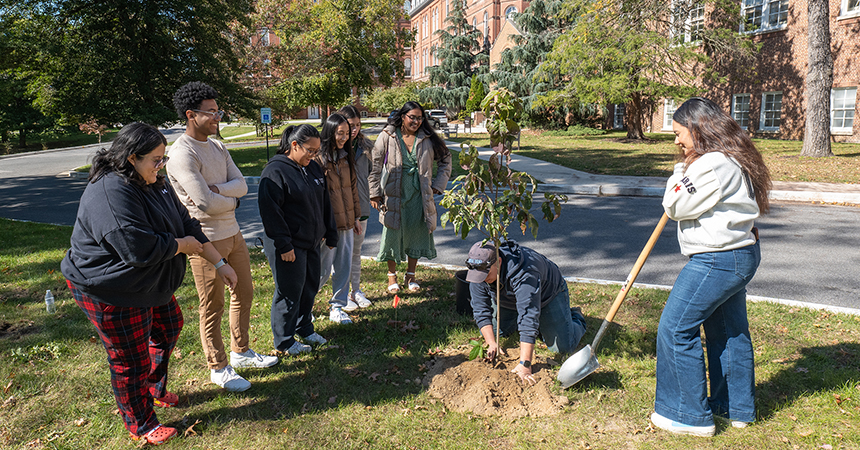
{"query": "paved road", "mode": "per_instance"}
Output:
(809, 251)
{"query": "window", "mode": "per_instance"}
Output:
(424, 27)
(424, 62)
(486, 24)
(509, 13)
(264, 37)
(850, 8)
(688, 21)
(842, 104)
(764, 15)
(435, 22)
(668, 110)
(448, 7)
(475, 23)
(407, 67)
(771, 109)
(417, 65)
(741, 109)
(618, 117)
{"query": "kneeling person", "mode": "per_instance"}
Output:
(534, 301)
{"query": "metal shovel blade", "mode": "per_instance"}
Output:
(577, 367)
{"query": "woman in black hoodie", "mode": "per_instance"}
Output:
(127, 258)
(297, 216)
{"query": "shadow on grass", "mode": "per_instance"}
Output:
(817, 369)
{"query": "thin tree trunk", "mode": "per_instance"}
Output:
(819, 82)
(633, 117)
(22, 138)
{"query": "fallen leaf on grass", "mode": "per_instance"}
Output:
(805, 432)
(374, 376)
(94, 340)
(802, 370)
(190, 430)
(81, 422)
(826, 446)
(9, 402)
(177, 353)
(331, 400)
(6, 389)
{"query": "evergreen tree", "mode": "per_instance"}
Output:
(540, 24)
(462, 57)
(476, 94)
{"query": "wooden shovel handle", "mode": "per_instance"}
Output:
(619, 299)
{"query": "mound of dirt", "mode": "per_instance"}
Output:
(479, 388)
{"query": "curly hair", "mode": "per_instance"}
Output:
(191, 95)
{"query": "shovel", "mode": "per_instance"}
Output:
(583, 362)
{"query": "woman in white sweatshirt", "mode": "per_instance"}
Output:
(715, 194)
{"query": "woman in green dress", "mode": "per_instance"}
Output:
(402, 188)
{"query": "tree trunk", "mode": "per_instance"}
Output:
(633, 117)
(22, 138)
(819, 82)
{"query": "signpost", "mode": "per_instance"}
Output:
(266, 119)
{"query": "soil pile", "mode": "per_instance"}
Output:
(479, 388)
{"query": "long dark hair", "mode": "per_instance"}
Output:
(439, 147)
(328, 148)
(138, 139)
(351, 112)
(296, 133)
(713, 130)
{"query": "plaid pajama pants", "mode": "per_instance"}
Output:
(138, 343)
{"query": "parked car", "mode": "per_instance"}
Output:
(437, 118)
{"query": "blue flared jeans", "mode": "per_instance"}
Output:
(710, 292)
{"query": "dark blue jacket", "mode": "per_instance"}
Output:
(124, 243)
(528, 282)
(294, 205)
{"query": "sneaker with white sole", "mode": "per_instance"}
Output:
(350, 306)
(733, 423)
(680, 428)
(297, 348)
(253, 359)
(361, 299)
(228, 379)
(338, 316)
(314, 339)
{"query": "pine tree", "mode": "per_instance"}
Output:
(476, 94)
(540, 24)
(462, 56)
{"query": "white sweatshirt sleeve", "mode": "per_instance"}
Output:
(689, 195)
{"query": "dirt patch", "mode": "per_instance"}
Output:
(14, 331)
(479, 388)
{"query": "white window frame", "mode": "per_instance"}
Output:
(766, 7)
(510, 11)
(850, 95)
(845, 12)
(688, 23)
(265, 41)
(736, 112)
(668, 110)
(407, 67)
(486, 23)
(763, 118)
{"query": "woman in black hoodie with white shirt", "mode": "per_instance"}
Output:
(297, 216)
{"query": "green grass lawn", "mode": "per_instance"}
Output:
(54, 139)
(613, 154)
(359, 391)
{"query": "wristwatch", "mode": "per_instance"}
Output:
(526, 364)
(220, 263)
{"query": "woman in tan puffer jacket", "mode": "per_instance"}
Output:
(338, 160)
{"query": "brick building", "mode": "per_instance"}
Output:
(428, 16)
(772, 103)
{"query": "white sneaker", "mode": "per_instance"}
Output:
(297, 348)
(680, 428)
(314, 339)
(361, 299)
(350, 306)
(228, 379)
(251, 359)
(338, 316)
(733, 423)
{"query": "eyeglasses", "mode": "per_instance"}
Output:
(312, 153)
(217, 115)
(160, 162)
(415, 118)
(479, 264)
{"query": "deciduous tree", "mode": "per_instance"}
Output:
(819, 82)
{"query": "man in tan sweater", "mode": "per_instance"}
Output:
(209, 184)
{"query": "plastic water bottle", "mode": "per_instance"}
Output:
(49, 302)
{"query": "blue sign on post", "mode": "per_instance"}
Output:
(265, 115)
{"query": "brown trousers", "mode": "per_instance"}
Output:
(210, 290)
